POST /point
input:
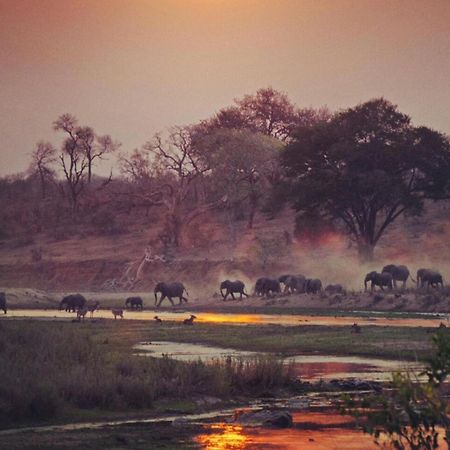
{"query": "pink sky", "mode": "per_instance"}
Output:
(132, 67)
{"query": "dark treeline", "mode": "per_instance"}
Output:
(354, 171)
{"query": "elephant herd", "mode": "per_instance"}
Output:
(391, 274)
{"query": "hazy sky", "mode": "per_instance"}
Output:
(132, 67)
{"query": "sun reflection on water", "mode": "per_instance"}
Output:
(223, 437)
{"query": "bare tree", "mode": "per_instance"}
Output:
(42, 158)
(72, 158)
(180, 194)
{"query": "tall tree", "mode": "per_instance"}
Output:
(364, 169)
(176, 158)
(42, 159)
(268, 111)
(244, 166)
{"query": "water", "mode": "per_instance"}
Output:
(307, 367)
(244, 319)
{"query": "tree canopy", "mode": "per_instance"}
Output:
(365, 168)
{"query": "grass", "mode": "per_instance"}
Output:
(56, 370)
(59, 369)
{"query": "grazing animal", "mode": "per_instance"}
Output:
(265, 286)
(81, 313)
(157, 319)
(293, 283)
(117, 313)
(170, 290)
(355, 328)
(378, 279)
(3, 302)
(189, 321)
(134, 303)
(429, 277)
(92, 307)
(335, 289)
(73, 302)
(399, 273)
(313, 286)
(231, 288)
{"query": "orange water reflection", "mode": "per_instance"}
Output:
(311, 431)
(243, 319)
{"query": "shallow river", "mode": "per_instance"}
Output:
(307, 367)
(375, 318)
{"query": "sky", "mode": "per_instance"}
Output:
(130, 68)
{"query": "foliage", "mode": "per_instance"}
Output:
(365, 168)
(47, 371)
(244, 165)
(411, 414)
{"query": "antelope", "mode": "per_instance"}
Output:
(93, 307)
(117, 312)
(189, 321)
(81, 313)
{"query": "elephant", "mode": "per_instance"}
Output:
(399, 273)
(378, 279)
(73, 302)
(232, 287)
(313, 285)
(3, 302)
(170, 290)
(264, 286)
(134, 303)
(335, 289)
(293, 283)
(429, 278)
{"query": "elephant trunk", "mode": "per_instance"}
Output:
(156, 297)
(365, 285)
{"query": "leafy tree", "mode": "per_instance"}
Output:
(411, 414)
(365, 168)
(268, 111)
(244, 166)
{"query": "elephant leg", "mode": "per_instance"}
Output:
(232, 295)
(185, 299)
(244, 294)
(226, 295)
(171, 301)
(382, 288)
(160, 300)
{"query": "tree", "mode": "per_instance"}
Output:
(244, 166)
(180, 193)
(87, 142)
(42, 158)
(410, 413)
(365, 168)
(268, 111)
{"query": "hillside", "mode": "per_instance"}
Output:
(216, 249)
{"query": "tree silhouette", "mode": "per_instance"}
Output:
(365, 168)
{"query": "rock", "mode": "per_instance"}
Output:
(265, 418)
(179, 422)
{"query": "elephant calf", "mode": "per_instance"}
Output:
(3, 302)
(231, 288)
(134, 303)
(378, 279)
(335, 289)
(429, 277)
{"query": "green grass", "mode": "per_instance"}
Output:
(56, 370)
(374, 341)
